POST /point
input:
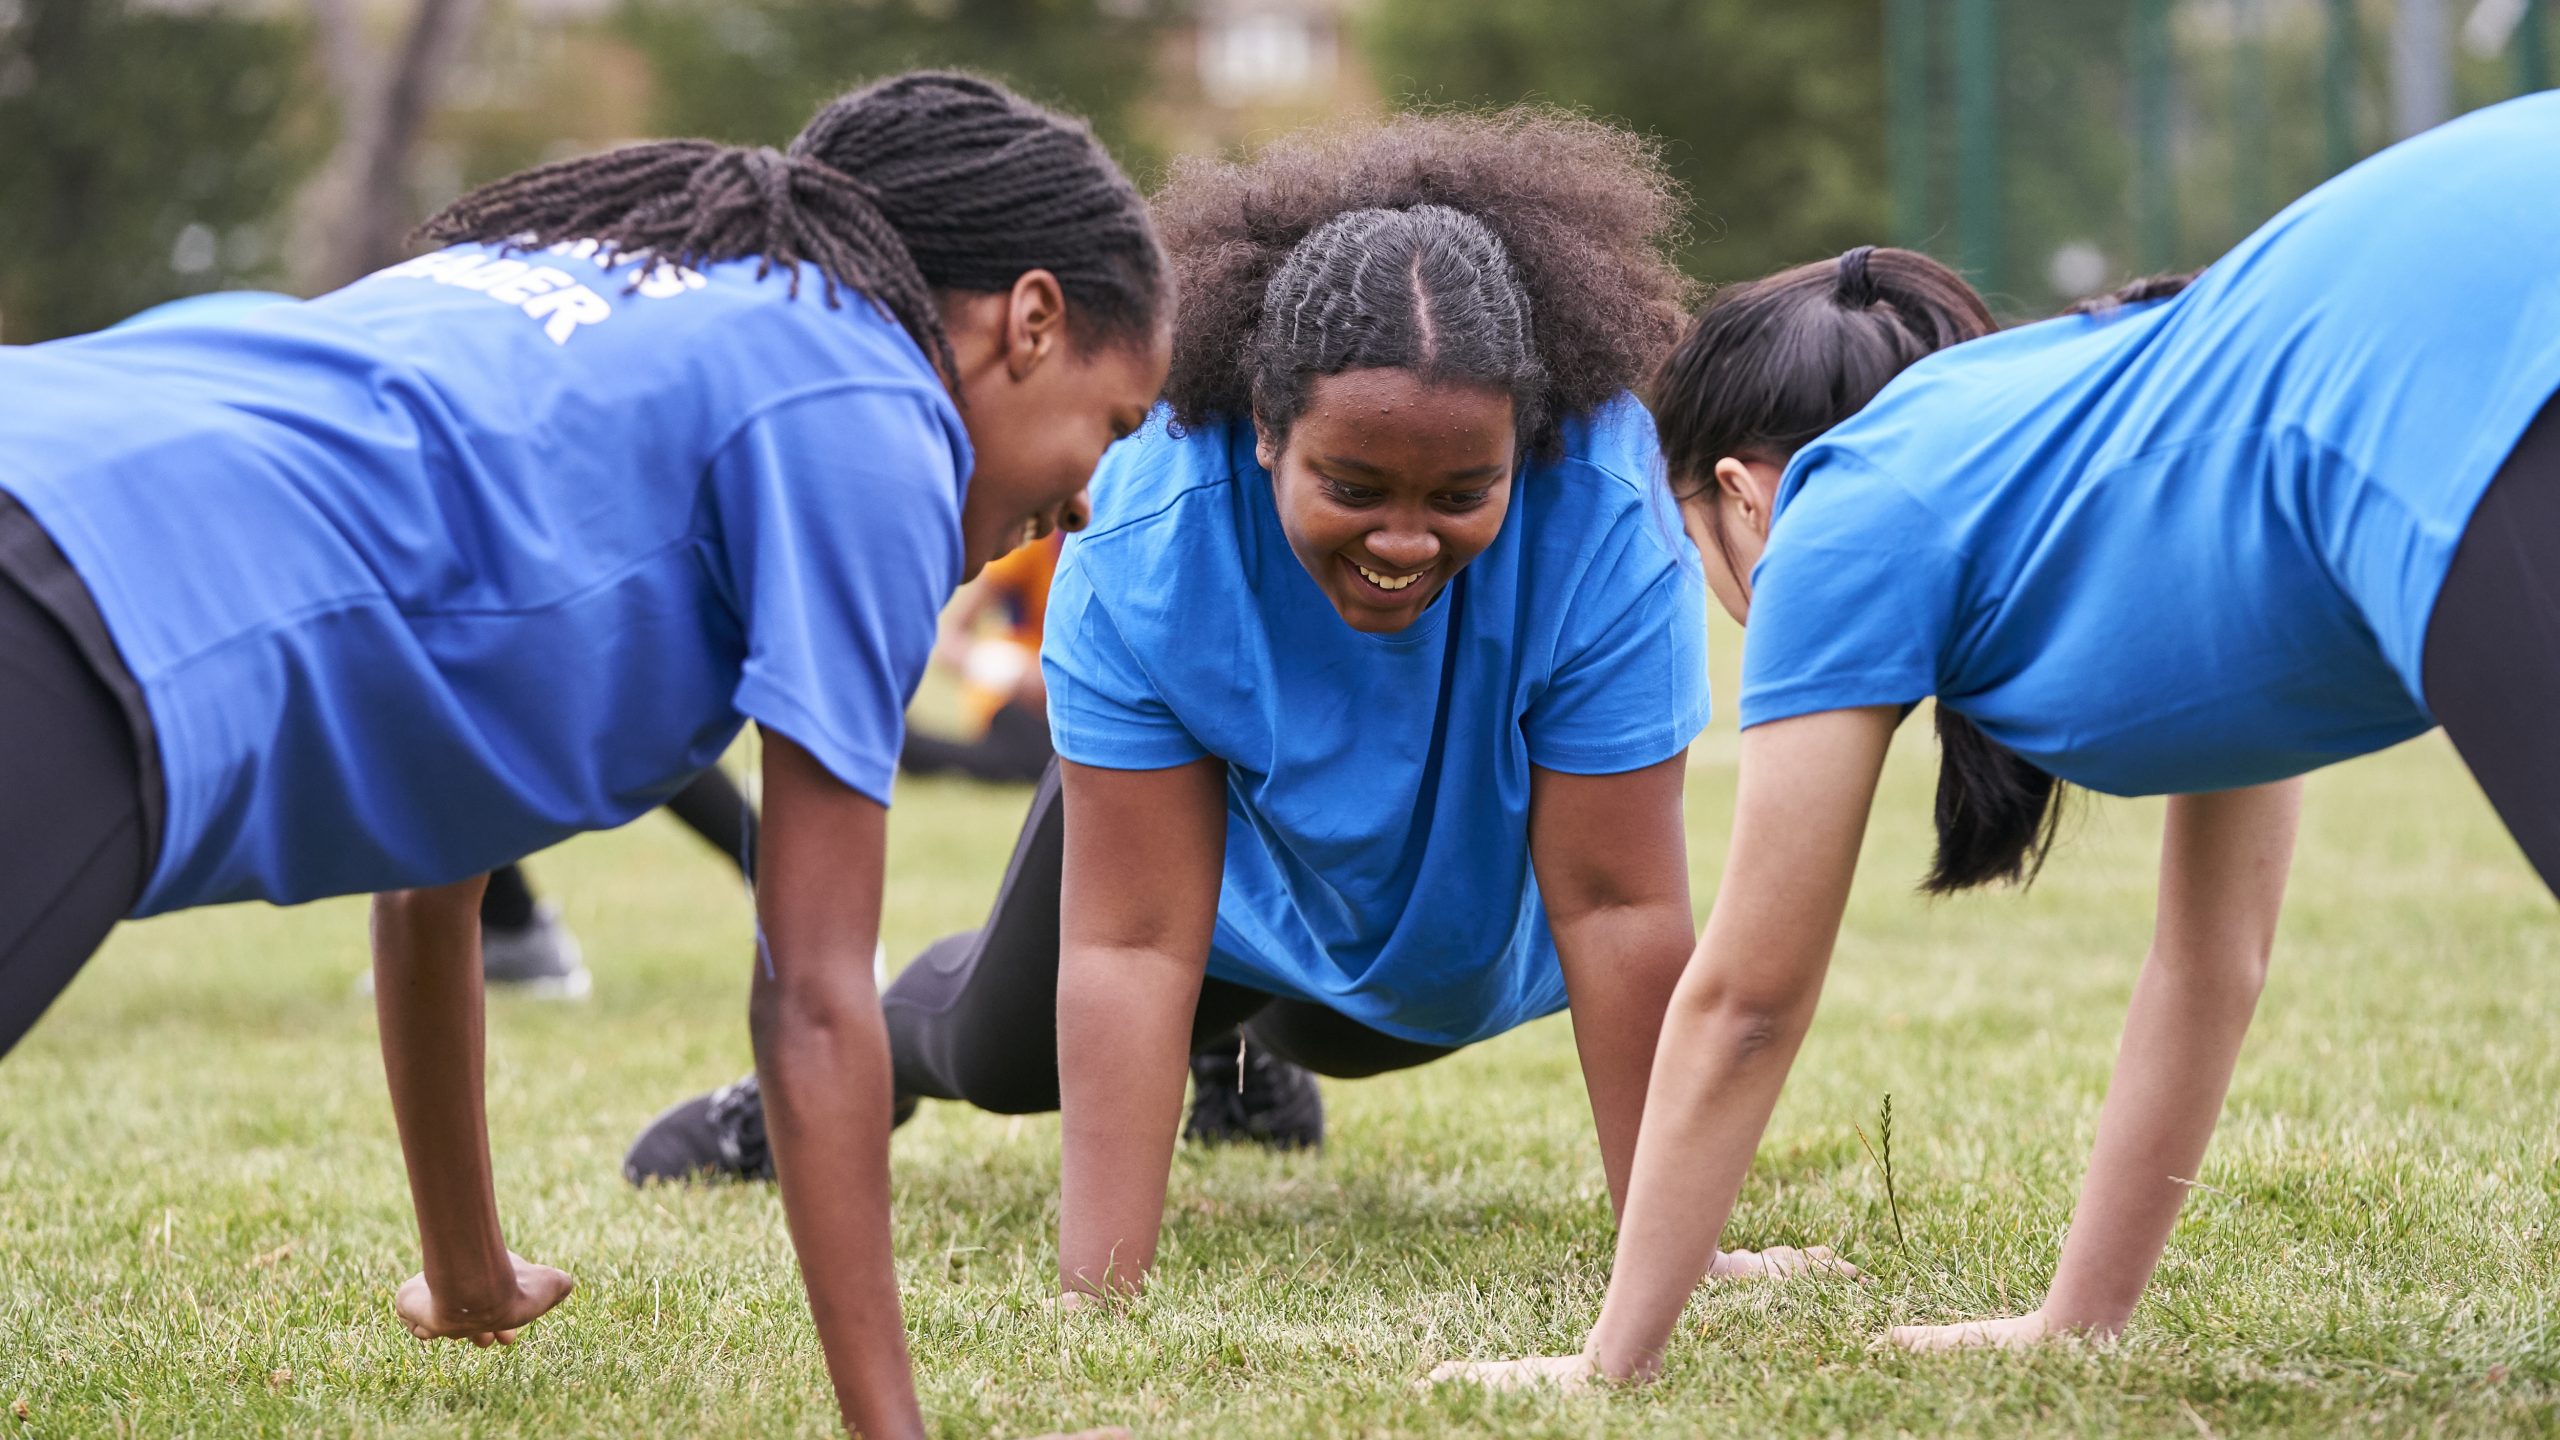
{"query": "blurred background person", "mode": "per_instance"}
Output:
(991, 645)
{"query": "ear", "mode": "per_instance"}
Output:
(1752, 485)
(1035, 322)
(1266, 451)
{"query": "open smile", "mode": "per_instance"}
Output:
(1383, 582)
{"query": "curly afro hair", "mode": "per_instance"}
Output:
(1583, 213)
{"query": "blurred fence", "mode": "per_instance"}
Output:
(153, 148)
(2053, 150)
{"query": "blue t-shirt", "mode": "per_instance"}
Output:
(483, 551)
(1378, 785)
(2193, 545)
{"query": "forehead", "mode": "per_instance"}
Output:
(1395, 420)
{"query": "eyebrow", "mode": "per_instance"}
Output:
(1476, 472)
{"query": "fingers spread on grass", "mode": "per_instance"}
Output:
(1781, 1262)
(1566, 1372)
(2012, 1333)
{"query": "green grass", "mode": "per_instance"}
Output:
(202, 1215)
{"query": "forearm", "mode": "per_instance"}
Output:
(822, 1055)
(427, 1002)
(1715, 1083)
(2181, 1043)
(1124, 1038)
(1622, 964)
(2223, 861)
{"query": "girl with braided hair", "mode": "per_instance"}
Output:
(378, 592)
(1372, 679)
(2195, 542)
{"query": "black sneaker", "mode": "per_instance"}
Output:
(719, 1136)
(1254, 1096)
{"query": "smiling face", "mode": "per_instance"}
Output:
(1387, 485)
(1042, 406)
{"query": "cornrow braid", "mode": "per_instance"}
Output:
(1427, 289)
(909, 186)
(1586, 217)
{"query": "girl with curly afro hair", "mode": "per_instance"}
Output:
(1371, 678)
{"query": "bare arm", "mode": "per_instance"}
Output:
(1613, 868)
(822, 1055)
(2223, 864)
(426, 996)
(1742, 1008)
(1145, 851)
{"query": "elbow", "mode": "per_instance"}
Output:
(1746, 1024)
(791, 1024)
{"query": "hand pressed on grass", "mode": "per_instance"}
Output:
(1566, 1372)
(2015, 1332)
(1781, 1262)
(536, 1288)
(1574, 1372)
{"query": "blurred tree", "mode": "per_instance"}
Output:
(1772, 115)
(752, 71)
(357, 214)
(148, 153)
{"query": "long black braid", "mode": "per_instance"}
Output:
(908, 186)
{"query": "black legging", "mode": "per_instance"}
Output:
(709, 805)
(72, 835)
(1015, 749)
(2492, 665)
(975, 1017)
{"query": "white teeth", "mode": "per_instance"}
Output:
(1381, 581)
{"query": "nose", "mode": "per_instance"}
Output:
(1076, 513)
(1405, 548)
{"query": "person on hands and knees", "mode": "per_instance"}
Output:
(2197, 542)
(1372, 678)
(378, 592)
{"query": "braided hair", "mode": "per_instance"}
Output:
(1428, 289)
(908, 186)
(1528, 249)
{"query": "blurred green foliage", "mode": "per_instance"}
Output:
(151, 153)
(1772, 115)
(752, 71)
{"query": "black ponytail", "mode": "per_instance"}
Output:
(2137, 292)
(1769, 365)
(916, 184)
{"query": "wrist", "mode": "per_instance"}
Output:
(482, 1285)
(2094, 1323)
(1615, 1357)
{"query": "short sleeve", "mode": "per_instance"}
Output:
(1853, 603)
(1103, 708)
(1630, 688)
(840, 520)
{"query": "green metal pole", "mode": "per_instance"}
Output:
(2155, 201)
(2338, 86)
(1906, 42)
(2253, 133)
(1978, 212)
(2532, 42)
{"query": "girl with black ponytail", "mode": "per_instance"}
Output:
(377, 592)
(2196, 542)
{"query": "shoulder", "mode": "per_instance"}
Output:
(1841, 494)
(1144, 481)
(1603, 497)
